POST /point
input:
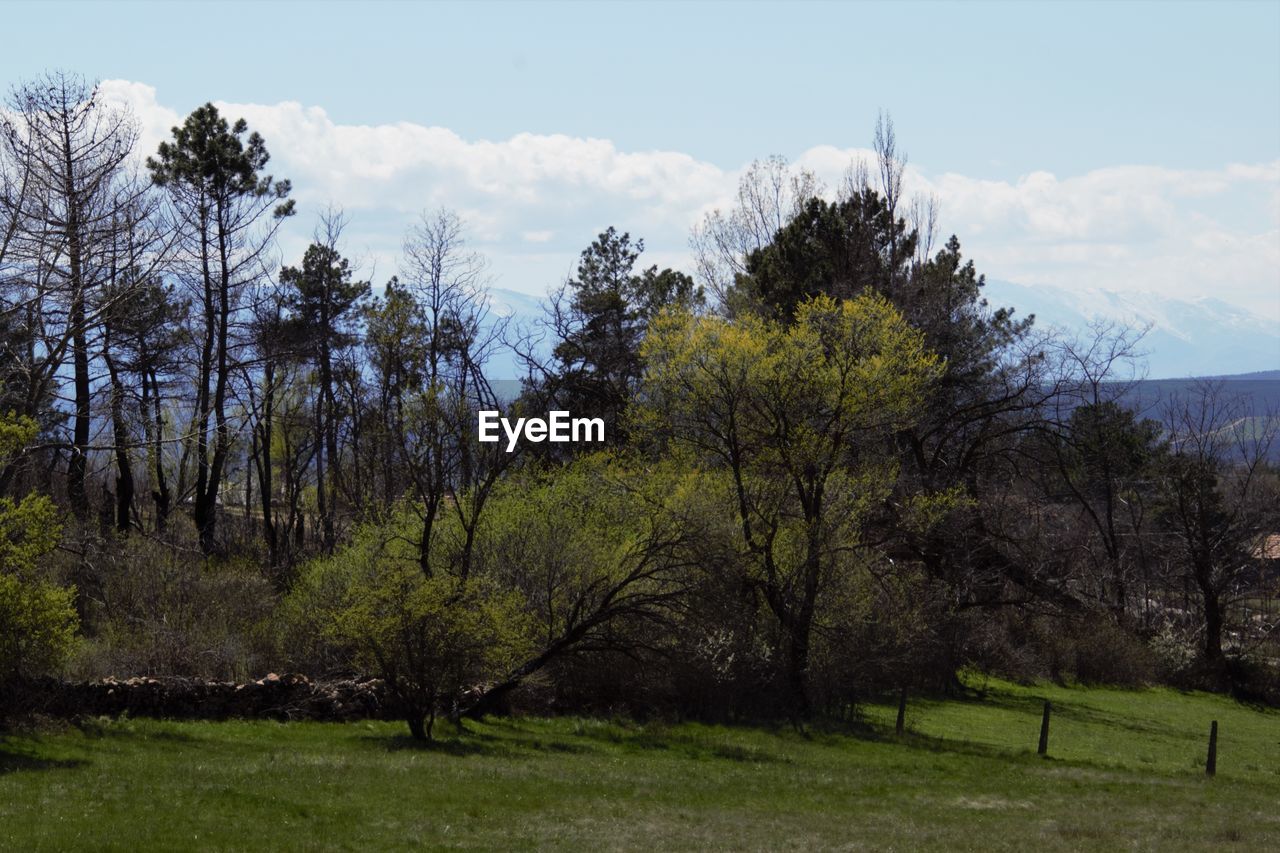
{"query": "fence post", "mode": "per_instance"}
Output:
(1211, 766)
(1043, 749)
(902, 712)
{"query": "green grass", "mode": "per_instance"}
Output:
(1126, 769)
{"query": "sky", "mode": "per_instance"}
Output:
(1125, 147)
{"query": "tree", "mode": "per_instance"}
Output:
(139, 339)
(599, 320)
(836, 248)
(430, 638)
(598, 550)
(795, 422)
(447, 282)
(68, 208)
(144, 338)
(1104, 462)
(274, 355)
(770, 194)
(395, 351)
(220, 198)
(324, 303)
(37, 618)
(1217, 499)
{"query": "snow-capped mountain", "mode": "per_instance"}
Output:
(524, 314)
(1200, 337)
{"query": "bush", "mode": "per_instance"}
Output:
(1107, 654)
(161, 611)
(1090, 649)
(37, 618)
(37, 626)
(429, 638)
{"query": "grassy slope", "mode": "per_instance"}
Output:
(1126, 769)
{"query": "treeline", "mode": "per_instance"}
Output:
(832, 467)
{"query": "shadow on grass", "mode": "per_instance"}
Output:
(951, 746)
(470, 742)
(694, 745)
(1032, 706)
(511, 738)
(125, 729)
(12, 761)
(444, 746)
(586, 737)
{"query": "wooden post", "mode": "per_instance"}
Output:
(1211, 766)
(1043, 749)
(902, 712)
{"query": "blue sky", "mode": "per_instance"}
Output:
(987, 89)
(1128, 147)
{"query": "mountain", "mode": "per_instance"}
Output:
(523, 313)
(1200, 337)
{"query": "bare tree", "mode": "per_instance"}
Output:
(770, 194)
(922, 218)
(1219, 498)
(449, 281)
(137, 333)
(1098, 454)
(890, 165)
(66, 209)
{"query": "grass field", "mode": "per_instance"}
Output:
(1126, 769)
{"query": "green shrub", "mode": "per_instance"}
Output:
(37, 626)
(37, 618)
(429, 638)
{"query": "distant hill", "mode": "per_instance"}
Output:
(1262, 389)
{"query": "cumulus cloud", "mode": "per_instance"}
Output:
(532, 201)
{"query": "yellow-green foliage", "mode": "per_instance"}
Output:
(371, 606)
(806, 407)
(793, 427)
(37, 619)
(841, 368)
(558, 554)
(29, 529)
(431, 637)
(37, 626)
(571, 537)
(797, 418)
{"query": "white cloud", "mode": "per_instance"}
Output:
(533, 201)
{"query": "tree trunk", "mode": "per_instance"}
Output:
(222, 431)
(1212, 625)
(120, 438)
(262, 459)
(201, 512)
(77, 471)
(160, 495)
(330, 431)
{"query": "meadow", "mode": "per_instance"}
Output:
(1125, 769)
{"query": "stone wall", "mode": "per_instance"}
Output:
(276, 697)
